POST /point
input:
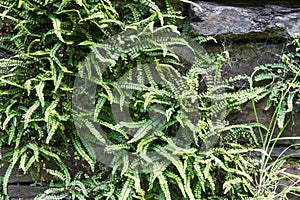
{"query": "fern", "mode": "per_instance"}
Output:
(53, 193)
(15, 157)
(178, 181)
(283, 83)
(126, 190)
(57, 27)
(164, 186)
(39, 90)
(83, 153)
(29, 113)
(45, 50)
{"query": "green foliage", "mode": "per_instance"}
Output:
(138, 91)
(282, 80)
(280, 84)
(41, 58)
(44, 44)
(43, 52)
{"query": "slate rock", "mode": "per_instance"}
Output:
(269, 20)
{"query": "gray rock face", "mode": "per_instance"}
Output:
(244, 56)
(220, 19)
(255, 3)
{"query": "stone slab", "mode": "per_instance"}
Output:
(244, 56)
(24, 192)
(234, 21)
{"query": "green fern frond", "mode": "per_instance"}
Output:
(81, 186)
(29, 112)
(39, 89)
(94, 131)
(9, 170)
(82, 152)
(163, 183)
(7, 120)
(142, 132)
(178, 181)
(57, 28)
(52, 194)
(54, 126)
(281, 114)
(126, 189)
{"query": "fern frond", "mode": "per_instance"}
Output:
(81, 186)
(114, 127)
(82, 152)
(188, 189)
(7, 120)
(39, 89)
(281, 114)
(6, 81)
(54, 126)
(94, 131)
(174, 160)
(9, 170)
(141, 132)
(52, 194)
(29, 112)
(57, 28)
(178, 181)
(126, 189)
(163, 183)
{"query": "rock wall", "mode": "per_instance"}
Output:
(240, 21)
(254, 33)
